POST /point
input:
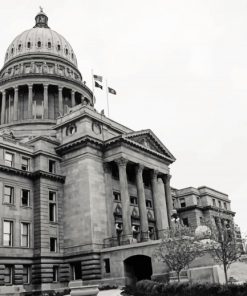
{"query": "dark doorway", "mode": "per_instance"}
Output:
(76, 271)
(137, 268)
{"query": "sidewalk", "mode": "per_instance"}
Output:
(115, 292)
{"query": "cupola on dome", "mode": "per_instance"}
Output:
(40, 40)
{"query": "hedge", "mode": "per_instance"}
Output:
(151, 288)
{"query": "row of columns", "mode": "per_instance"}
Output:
(161, 198)
(30, 101)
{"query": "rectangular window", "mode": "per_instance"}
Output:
(53, 244)
(107, 265)
(219, 202)
(117, 196)
(26, 274)
(9, 159)
(8, 233)
(225, 205)
(52, 206)
(25, 231)
(25, 164)
(8, 274)
(149, 203)
(185, 222)
(52, 166)
(151, 232)
(25, 197)
(8, 195)
(55, 274)
(182, 202)
(133, 200)
(214, 202)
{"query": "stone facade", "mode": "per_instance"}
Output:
(83, 197)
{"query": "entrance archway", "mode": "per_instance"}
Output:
(136, 268)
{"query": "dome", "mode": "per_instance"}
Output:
(40, 40)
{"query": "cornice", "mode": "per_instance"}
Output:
(32, 175)
(83, 141)
(204, 208)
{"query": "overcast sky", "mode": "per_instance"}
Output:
(179, 67)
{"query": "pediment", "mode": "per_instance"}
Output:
(147, 139)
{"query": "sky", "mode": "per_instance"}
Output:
(179, 68)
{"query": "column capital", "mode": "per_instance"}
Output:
(121, 162)
(168, 178)
(30, 85)
(72, 91)
(139, 168)
(3, 91)
(45, 85)
(154, 174)
(60, 88)
(16, 88)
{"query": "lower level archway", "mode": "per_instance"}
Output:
(136, 268)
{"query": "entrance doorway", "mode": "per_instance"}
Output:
(137, 268)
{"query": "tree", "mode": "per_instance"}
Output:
(178, 249)
(223, 245)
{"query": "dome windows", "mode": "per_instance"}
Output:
(72, 56)
(12, 50)
(66, 51)
(19, 47)
(58, 47)
(39, 43)
(29, 44)
(49, 44)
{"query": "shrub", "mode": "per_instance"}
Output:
(107, 287)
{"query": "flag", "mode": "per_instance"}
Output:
(98, 78)
(112, 91)
(98, 85)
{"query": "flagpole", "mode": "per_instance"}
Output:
(92, 84)
(107, 98)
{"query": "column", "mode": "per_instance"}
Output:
(157, 210)
(16, 104)
(30, 101)
(45, 101)
(142, 203)
(60, 100)
(127, 231)
(168, 197)
(109, 200)
(163, 205)
(72, 98)
(3, 106)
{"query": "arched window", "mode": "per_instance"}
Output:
(19, 47)
(72, 55)
(58, 47)
(49, 44)
(6, 57)
(39, 44)
(12, 50)
(29, 45)
(66, 51)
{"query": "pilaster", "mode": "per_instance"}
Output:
(16, 103)
(3, 106)
(45, 101)
(30, 100)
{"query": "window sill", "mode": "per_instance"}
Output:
(53, 222)
(9, 204)
(26, 207)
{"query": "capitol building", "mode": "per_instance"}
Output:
(82, 196)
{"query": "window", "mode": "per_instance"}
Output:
(53, 244)
(185, 222)
(52, 166)
(76, 271)
(39, 44)
(58, 47)
(25, 230)
(151, 232)
(12, 50)
(66, 51)
(182, 202)
(19, 47)
(214, 202)
(149, 203)
(8, 274)
(117, 196)
(8, 195)
(49, 44)
(29, 45)
(26, 274)
(55, 273)
(25, 164)
(133, 200)
(107, 265)
(219, 202)
(9, 159)
(8, 233)
(25, 197)
(52, 206)
(225, 205)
